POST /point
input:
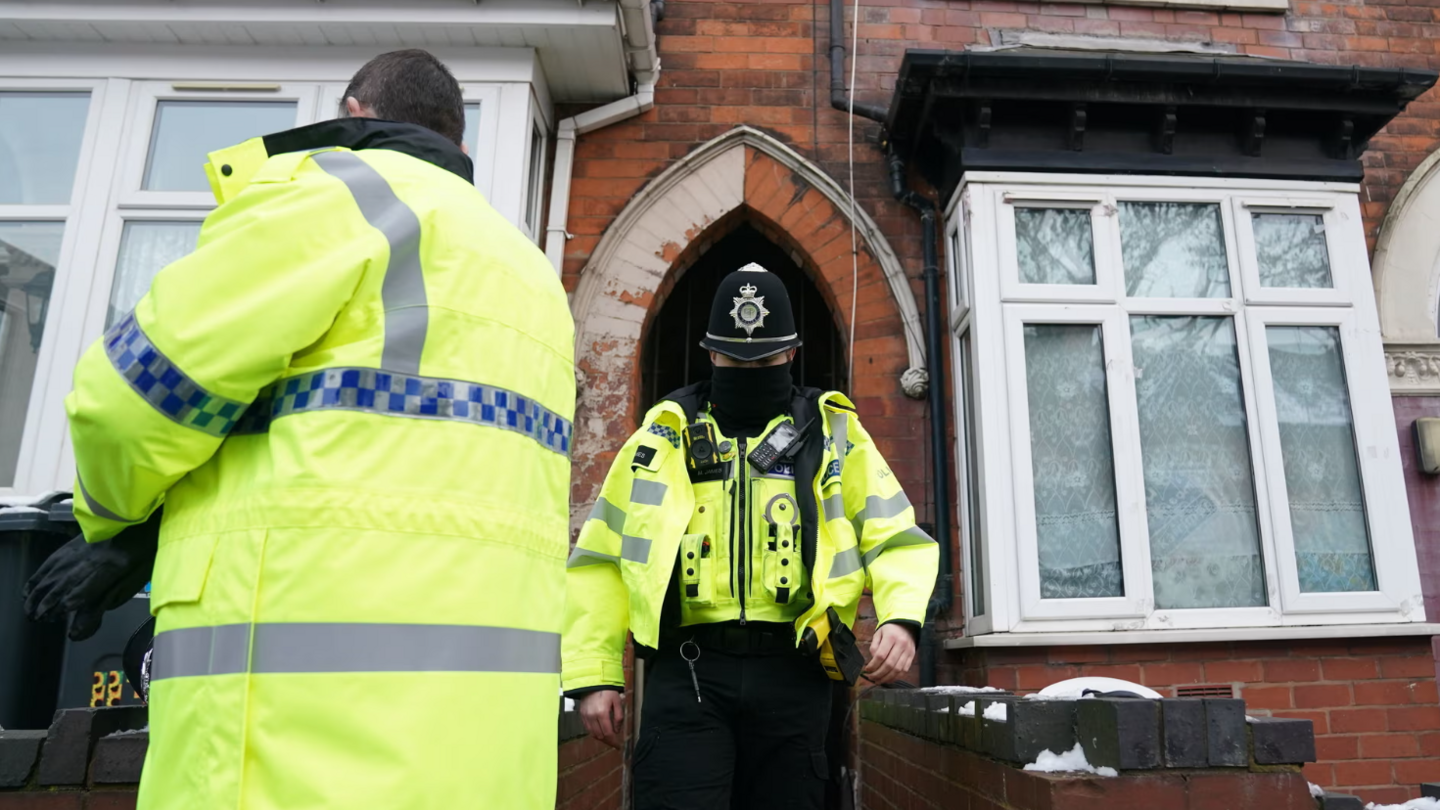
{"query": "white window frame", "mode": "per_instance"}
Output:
(535, 226)
(140, 132)
(78, 240)
(1104, 253)
(976, 224)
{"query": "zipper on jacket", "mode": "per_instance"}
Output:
(744, 517)
(734, 510)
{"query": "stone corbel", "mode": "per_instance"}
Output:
(1413, 368)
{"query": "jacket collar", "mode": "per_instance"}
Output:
(371, 133)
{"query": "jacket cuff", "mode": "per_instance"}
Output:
(591, 672)
(578, 694)
(909, 624)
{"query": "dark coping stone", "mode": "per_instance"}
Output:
(571, 726)
(1287, 741)
(1226, 733)
(65, 758)
(119, 758)
(1121, 733)
(1430, 790)
(969, 724)
(997, 739)
(937, 717)
(1184, 741)
(19, 751)
(1340, 801)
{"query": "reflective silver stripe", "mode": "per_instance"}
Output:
(162, 383)
(222, 650)
(402, 293)
(839, 427)
(582, 557)
(336, 647)
(635, 549)
(878, 507)
(99, 508)
(913, 536)
(846, 562)
(650, 493)
(612, 515)
(834, 507)
(751, 340)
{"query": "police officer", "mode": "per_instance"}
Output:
(733, 537)
(358, 584)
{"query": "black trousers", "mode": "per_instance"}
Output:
(756, 741)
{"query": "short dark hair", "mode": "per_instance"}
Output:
(414, 87)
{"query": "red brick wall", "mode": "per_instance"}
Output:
(902, 772)
(591, 776)
(1373, 702)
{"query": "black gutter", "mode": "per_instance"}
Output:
(942, 597)
(839, 99)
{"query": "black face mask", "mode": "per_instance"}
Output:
(746, 399)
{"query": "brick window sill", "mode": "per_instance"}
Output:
(1277, 6)
(1193, 636)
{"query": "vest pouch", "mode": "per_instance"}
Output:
(181, 568)
(697, 582)
(783, 569)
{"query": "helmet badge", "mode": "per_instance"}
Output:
(749, 311)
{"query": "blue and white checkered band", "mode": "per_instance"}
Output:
(161, 383)
(667, 432)
(369, 390)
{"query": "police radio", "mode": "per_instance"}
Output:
(782, 442)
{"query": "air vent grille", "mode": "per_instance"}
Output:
(1205, 691)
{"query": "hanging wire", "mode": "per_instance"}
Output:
(854, 247)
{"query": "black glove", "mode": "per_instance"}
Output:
(87, 579)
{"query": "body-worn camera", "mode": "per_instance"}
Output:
(701, 454)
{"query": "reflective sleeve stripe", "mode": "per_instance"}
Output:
(650, 493)
(834, 507)
(839, 426)
(610, 514)
(878, 507)
(334, 648)
(845, 563)
(101, 509)
(582, 557)
(402, 293)
(913, 536)
(369, 390)
(160, 382)
(635, 549)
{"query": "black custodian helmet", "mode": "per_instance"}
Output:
(750, 318)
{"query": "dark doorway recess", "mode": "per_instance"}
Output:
(673, 358)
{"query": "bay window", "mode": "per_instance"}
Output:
(1172, 408)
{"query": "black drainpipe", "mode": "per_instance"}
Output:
(941, 598)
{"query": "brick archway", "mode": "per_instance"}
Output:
(742, 171)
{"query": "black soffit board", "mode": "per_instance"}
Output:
(1044, 110)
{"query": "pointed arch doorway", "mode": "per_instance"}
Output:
(672, 356)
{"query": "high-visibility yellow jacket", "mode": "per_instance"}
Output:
(355, 399)
(650, 515)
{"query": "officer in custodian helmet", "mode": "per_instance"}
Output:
(733, 537)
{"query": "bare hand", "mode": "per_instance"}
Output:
(603, 714)
(892, 651)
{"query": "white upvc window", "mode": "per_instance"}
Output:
(102, 184)
(1171, 408)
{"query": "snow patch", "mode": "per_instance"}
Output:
(1315, 790)
(1068, 762)
(959, 690)
(134, 732)
(569, 704)
(997, 712)
(968, 710)
(1413, 804)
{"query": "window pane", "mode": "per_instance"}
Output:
(1199, 480)
(186, 131)
(1054, 246)
(1317, 439)
(29, 252)
(971, 482)
(1073, 463)
(532, 192)
(145, 248)
(1290, 250)
(40, 135)
(472, 127)
(1173, 250)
